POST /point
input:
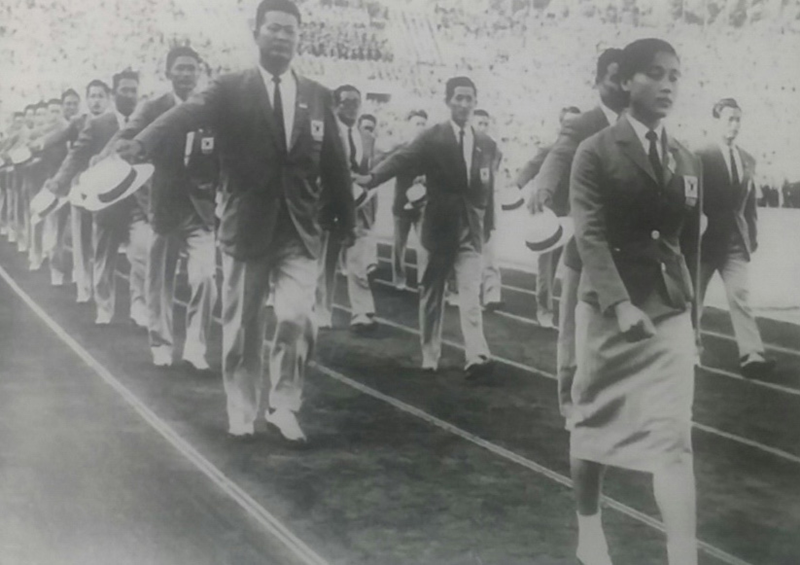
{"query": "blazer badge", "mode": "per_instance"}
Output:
(317, 129)
(485, 174)
(207, 145)
(690, 190)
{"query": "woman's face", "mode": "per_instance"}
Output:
(653, 90)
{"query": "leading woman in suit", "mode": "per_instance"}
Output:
(634, 191)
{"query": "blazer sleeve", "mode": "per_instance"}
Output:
(529, 170)
(556, 165)
(77, 159)
(751, 210)
(588, 209)
(339, 206)
(407, 159)
(202, 108)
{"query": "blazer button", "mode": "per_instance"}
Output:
(663, 267)
(655, 234)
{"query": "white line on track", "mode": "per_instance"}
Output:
(719, 554)
(269, 522)
(716, 371)
(532, 370)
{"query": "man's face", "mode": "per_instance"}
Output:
(482, 124)
(349, 106)
(277, 37)
(97, 100)
(184, 73)
(654, 90)
(461, 104)
(417, 124)
(729, 122)
(54, 112)
(367, 126)
(70, 106)
(610, 90)
(126, 95)
(41, 117)
(18, 121)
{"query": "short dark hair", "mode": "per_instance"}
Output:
(454, 83)
(638, 56)
(69, 92)
(571, 110)
(181, 51)
(610, 55)
(40, 104)
(29, 107)
(417, 113)
(127, 74)
(97, 83)
(337, 94)
(365, 117)
(481, 112)
(725, 103)
(285, 6)
(54, 101)
(19, 113)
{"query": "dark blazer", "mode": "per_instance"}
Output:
(254, 173)
(730, 209)
(174, 195)
(628, 229)
(450, 200)
(94, 136)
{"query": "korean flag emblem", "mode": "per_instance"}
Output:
(691, 190)
(317, 129)
(207, 145)
(485, 175)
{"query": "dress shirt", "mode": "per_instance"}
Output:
(610, 114)
(356, 140)
(726, 154)
(641, 132)
(122, 120)
(469, 144)
(288, 88)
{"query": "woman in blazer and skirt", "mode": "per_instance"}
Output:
(635, 195)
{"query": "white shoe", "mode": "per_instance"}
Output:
(323, 321)
(56, 278)
(162, 356)
(401, 286)
(196, 360)
(287, 423)
(12, 237)
(238, 427)
(545, 319)
(83, 297)
(102, 319)
(452, 299)
(587, 557)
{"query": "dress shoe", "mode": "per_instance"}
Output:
(480, 371)
(754, 366)
(12, 236)
(102, 319)
(287, 424)
(56, 278)
(494, 306)
(452, 299)
(82, 298)
(196, 360)
(139, 318)
(162, 356)
(400, 286)
(545, 319)
(237, 427)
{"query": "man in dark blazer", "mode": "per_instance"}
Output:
(182, 217)
(97, 101)
(551, 186)
(359, 146)
(731, 236)
(458, 163)
(281, 157)
(123, 222)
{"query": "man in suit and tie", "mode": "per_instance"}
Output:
(123, 222)
(98, 95)
(731, 236)
(551, 189)
(458, 163)
(359, 146)
(281, 157)
(182, 216)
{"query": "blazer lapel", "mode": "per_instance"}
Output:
(672, 153)
(477, 153)
(261, 96)
(301, 111)
(456, 157)
(632, 148)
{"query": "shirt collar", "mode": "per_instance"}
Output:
(267, 76)
(457, 129)
(120, 118)
(343, 126)
(610, 114)
(641, 132)
(726, 149)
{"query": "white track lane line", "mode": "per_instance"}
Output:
(720, 372)
(708, 429)
(269, 522)
(719, 554)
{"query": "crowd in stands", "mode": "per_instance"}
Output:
(527, 63)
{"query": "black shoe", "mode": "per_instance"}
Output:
(364, 328)
(494, 306)
(757, 368)
(480, 371)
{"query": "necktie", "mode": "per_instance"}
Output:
(278, 112)
(653, 155)
(461, 150)
(351, 142)
(734, 170)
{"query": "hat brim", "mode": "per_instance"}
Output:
(559, 239)
(89, 201)
(507, 206)
(54, 207)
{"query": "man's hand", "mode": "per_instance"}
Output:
(36, 146)
(634, 324)
(130, 150)
(539, 200)
(348, 239)
(362, 180)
